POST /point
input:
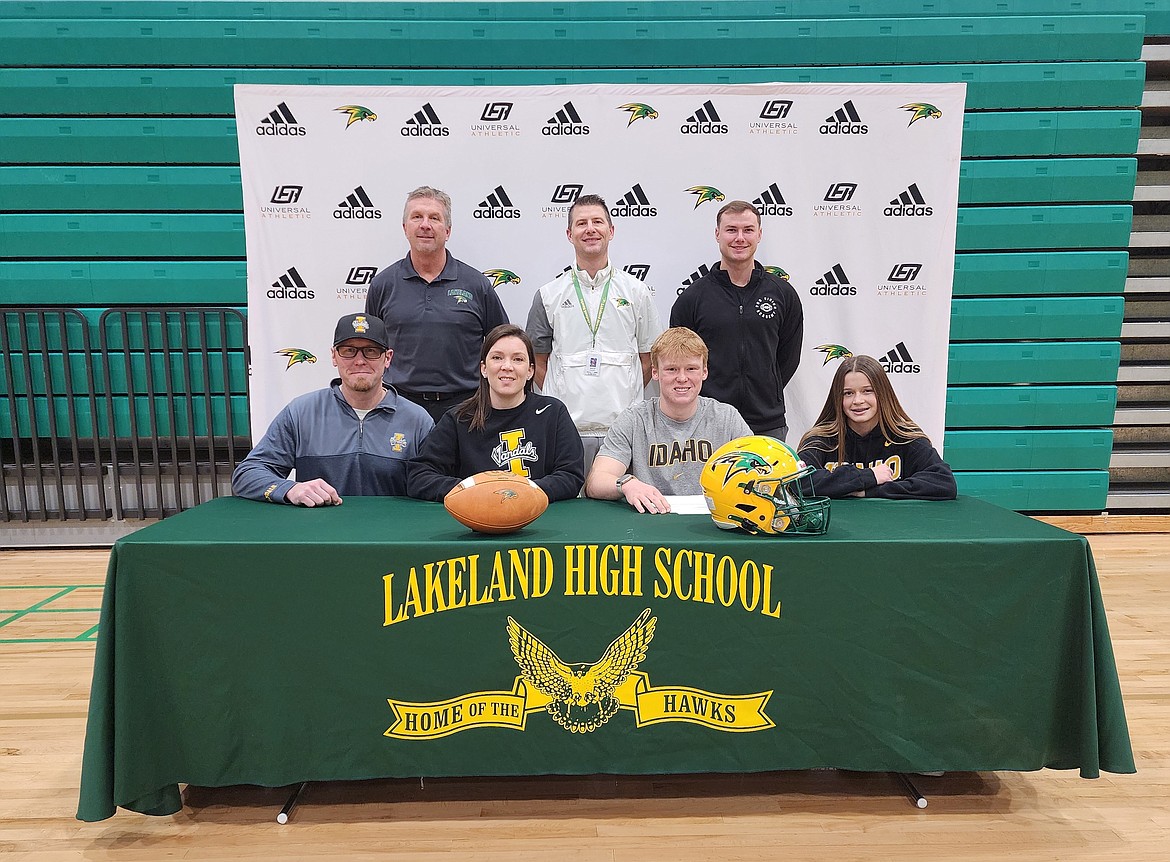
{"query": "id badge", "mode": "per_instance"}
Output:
(593, 365)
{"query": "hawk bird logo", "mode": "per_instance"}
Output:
(582, 693)
(742, 462)
(777, 271)
(706, 193)
(921, 111)
(295, 355)
(833, 351)
(501, 276)
(638, 111)
(356, 114)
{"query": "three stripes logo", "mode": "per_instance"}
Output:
(844, 121)
(634, 204)
(699, 273)
(899, 361)
(425, 124)
(909, 203)
(704, 121)
(357, 205)
(771, 202)
(290, 286)
(496, 205)
(833, 283)
(280, 123)
(565, 121)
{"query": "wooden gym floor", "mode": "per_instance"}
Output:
(48, 620)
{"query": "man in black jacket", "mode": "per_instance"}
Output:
(751, 320)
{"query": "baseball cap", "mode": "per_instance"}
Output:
(361, 326)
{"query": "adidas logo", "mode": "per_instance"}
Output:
(771, 202)
(280, 123)
(844, 121)
(705, 121)
(833, 283)
(290, 286)
(909, 203)
(357, 205)
(496, 205)
(566, 121)
(424, 124)
(634, 204)
(639, 271)
(699, 273)
(568, 303)
(899, 361)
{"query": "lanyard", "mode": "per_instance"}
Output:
(593, 327)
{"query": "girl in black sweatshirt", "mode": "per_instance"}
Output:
(864, 445)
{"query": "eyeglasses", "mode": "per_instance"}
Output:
(348, 351)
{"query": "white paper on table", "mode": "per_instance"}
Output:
(691, 504)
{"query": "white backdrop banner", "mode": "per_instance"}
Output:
(857, 183)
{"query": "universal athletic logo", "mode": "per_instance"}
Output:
(580, 696)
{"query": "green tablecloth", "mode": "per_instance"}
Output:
(251, 643)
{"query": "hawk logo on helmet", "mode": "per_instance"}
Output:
(741, 462)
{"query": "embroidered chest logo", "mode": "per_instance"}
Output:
(622, 302)
(461, 296)
(766, 307)
(398, 442)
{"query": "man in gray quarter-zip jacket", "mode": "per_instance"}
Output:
(353, 438)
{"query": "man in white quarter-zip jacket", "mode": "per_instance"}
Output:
(592, 328)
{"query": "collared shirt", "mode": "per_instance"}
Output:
(435, 329)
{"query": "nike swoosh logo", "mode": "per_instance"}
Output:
(540, 410)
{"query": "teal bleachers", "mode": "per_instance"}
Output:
(119, 183)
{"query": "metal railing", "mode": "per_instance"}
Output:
(150, 423)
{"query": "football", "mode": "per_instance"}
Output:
(496, 501)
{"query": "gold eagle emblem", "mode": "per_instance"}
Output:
(582, 693)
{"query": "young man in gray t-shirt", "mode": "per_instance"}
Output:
(659, 447)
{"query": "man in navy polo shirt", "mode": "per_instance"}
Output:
(437, 309)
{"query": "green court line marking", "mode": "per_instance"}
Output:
(40, 608)
(21, 614)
